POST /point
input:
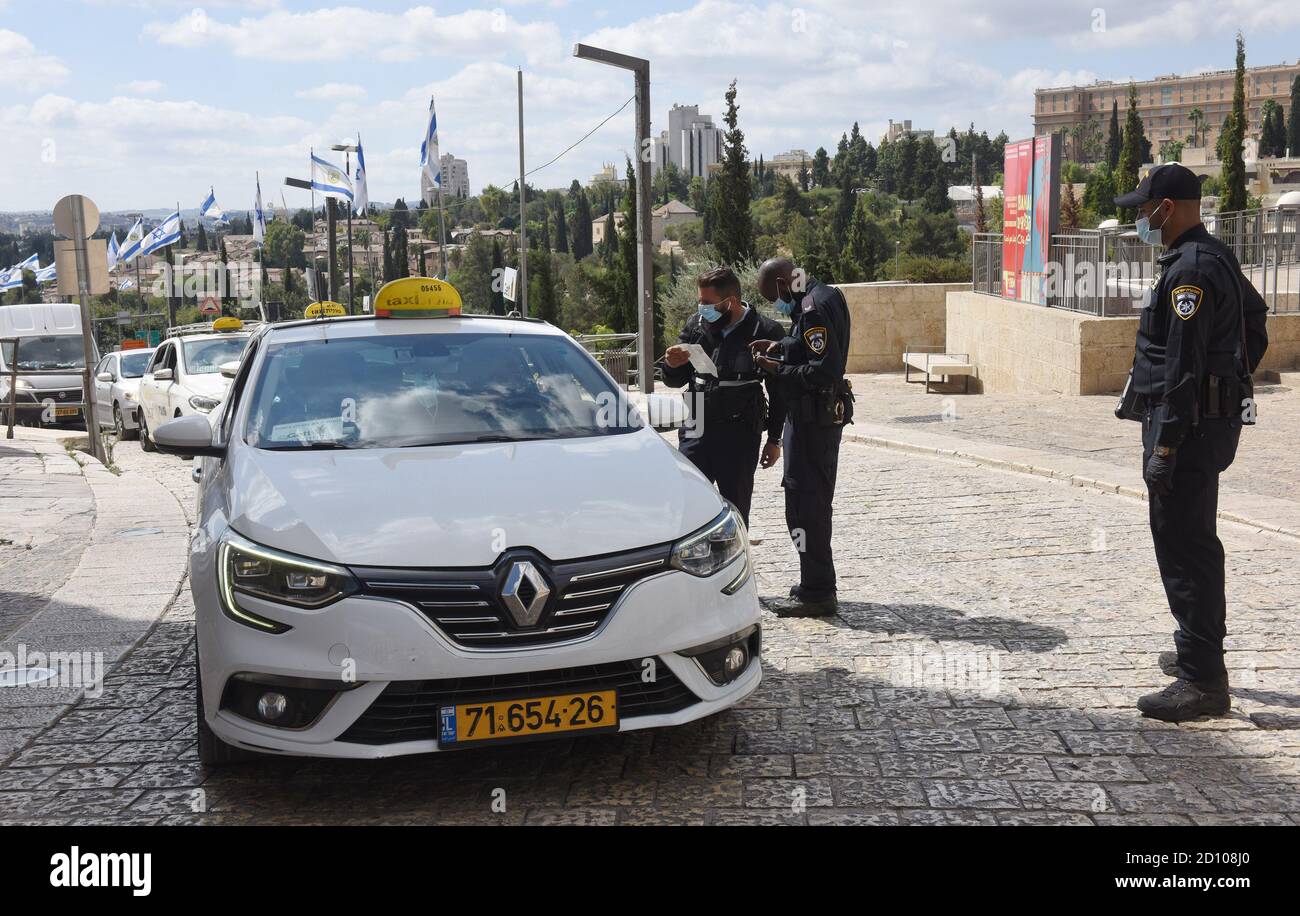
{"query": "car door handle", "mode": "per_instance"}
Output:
(196, 473)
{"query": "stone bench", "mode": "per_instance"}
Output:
(936, 363)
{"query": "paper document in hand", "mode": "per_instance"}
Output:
(700, 360)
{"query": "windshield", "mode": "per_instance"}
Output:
(62, 352)
(133, 364)
(396, 391)
(203, 357)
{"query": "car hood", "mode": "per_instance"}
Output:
(208, 385)
(462, 505)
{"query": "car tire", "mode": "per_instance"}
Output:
(146, 443)
(213, 752)
(119, 425)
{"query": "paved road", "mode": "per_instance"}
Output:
(995, 629)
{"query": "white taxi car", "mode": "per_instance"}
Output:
(184, 377)
(426, 534)
(117, 390)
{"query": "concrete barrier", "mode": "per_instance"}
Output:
(888, 317)
(1019, 347)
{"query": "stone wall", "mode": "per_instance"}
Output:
(1016, 346)
(888, 317)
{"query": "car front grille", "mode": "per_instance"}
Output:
(408, 710)
(467, 605)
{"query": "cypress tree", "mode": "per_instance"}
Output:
(1293, 125)
(1130, 157)
(733, 233)
(1234, 166)
(1112, 137)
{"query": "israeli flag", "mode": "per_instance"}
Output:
(363, 196)
(209, 209)
(11, 278)
(330, 180)
(32, 262)
(114, 253)
(125, 283)
(47, 274)
(429, 163)
(259, 216)
(131, 244)
(168, 232)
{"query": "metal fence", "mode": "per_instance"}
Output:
(616, 352)
(1104, 271)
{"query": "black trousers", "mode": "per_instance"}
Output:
(727, 454)
(1188, 549)
(812, 455)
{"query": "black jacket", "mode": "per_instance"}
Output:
(732, 356)
(1191, 328)
(817, 348)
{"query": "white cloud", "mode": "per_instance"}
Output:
(333, 92)
(141, 87)
(24, 68)
(342, 33)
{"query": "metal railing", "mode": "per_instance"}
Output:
(10, 347)
(1104, 272)
(616, 352)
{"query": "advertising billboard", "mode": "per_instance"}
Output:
(1031, 181)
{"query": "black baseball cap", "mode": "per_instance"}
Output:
(1171, 181)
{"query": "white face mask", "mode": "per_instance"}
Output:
(1146, 233)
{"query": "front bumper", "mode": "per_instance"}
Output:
(383, 643)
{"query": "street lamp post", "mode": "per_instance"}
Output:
(640, 68)
(347, 149)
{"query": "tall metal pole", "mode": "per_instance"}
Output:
(352, 310)
(331, 223)
(645, 254)
(521, 289)
(87, 331)
(442, 232)
(640, 67)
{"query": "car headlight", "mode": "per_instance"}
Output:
(713, 546)
(23, 385)
(202, 404)
(250, 569)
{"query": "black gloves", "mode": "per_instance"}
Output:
(1159, 473)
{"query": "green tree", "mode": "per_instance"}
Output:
(733, 232)
(821, 168)
(561, 226)
(1130, 157)
(582, 221)
(1197, 117)
(1113, 141)
(284, 243)
(1234, 166)
(1293, 126)
(864, 248)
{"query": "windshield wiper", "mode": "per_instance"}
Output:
(490, 437)
(306, 446)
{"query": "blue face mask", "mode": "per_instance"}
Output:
(708, 312)
(1147, 234)
(784, 307)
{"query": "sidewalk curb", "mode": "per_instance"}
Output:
(130, 573)
(1022, 467)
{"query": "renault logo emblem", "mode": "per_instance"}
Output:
(525, 593)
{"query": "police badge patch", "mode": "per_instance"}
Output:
(815, 338)
(1187, 299)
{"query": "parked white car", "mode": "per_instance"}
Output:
(426, 534)
(184, 378)
(51, 357)
(117, 391)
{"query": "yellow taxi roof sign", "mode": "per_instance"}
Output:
(324, 309)
(417, 297)
(228, 323)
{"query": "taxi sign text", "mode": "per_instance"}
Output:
(417, 297)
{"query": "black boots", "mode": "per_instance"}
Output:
(1184, 700)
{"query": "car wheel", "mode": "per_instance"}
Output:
(119, 427)
(213, 752)
(146, 443)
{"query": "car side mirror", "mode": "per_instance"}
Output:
(163, 375)
(105, 376)
(190, 435)
(664, 412)
(230, 370)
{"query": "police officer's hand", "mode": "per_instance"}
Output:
(1159, 473)
(761, 346)
(771, 453)
(676, 356)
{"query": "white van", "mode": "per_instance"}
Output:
(49, 339)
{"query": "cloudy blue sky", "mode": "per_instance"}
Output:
(139, 103)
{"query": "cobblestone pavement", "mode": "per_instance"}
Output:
(995, 629)
(1083, 427)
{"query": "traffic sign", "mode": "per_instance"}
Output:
(210, 306)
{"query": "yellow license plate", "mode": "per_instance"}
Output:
(501, 720)
(66, 411)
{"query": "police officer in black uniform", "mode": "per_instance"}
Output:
(729, 410)
(1200, 336)
(808, 366)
